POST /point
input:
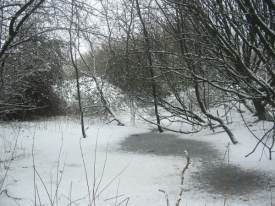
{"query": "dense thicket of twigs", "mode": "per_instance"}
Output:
(30, 61)
(201, 54)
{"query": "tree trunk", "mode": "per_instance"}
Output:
(150, 64)
(261, 112)
(210, 116)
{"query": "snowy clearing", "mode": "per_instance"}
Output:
(131, 176)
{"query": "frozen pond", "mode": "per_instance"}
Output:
(213, 175)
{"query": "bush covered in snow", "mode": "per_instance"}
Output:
(90, 96)
(26, 89)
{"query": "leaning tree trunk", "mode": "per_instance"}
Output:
(212, 117)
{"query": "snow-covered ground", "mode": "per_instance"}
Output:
(116, 177)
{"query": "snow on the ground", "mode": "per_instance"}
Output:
(125, 175)
(246, 142)
(115, 176)
(236, 155)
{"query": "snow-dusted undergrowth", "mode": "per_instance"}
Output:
(90, 95)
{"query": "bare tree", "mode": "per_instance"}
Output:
(13, 18)
(91, 68)
(14, 23)
(150, 64)
(244, 48)
(25, 27)
(74, 47)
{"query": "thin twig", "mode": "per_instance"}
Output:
(182, 177)
(86, 174)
